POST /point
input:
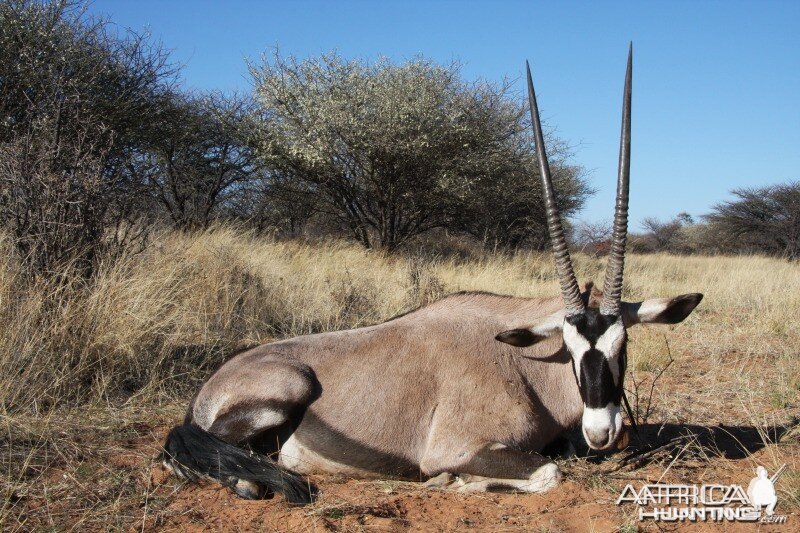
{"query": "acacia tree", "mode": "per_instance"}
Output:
(506, 209)
(388, 152)
(593, 237)
(765, 219)
(76, 99)
(200, 158)
(272, 201)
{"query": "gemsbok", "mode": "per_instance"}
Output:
(464, 392)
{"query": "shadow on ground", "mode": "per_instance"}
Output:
(691, 441)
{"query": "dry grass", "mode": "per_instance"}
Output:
(144, 335)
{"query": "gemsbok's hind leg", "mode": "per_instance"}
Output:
(255, 400)
(254, 393)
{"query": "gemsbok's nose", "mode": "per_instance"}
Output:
(601, 425)
(598, 437)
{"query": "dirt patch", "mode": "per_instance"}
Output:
(586, 504)
(124, 488)
(352, 505)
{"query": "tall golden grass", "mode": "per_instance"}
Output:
(156, 322)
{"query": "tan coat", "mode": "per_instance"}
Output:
(419, 393)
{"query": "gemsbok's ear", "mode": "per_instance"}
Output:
(660, 310)
(524, 337)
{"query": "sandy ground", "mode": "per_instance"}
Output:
(585, 501)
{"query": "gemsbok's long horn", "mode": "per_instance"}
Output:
(566, 274)
(612, 287)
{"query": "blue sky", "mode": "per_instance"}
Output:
(715, 93)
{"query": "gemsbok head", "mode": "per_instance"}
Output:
(596, 337)
(432, 394)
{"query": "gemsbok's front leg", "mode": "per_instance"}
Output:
(497, 467)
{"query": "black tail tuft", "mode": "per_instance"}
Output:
(192, 451)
